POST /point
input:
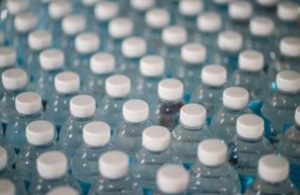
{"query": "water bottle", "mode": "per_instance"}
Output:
(193, 57)
(9, 188)
(29, 108)
(173, 38)
(82, 109)
(189, 133)
(133, 49)
(250, 76)
(63, 190)
(155, 152)
(235, 101)
(289, 148)
(40, 7)
(128, 134)
(84, 163)
(279, 107)
(170, 92)
(209, 92)
(248, 147)
(52, 168)
(172, 179)
(15, 81)
(272, 178)
(114, 175)
(117, 89)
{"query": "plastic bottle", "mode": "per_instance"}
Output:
(248, 147)
(84, 163)
(209, 91)
(128, 134)
(155, 152)
(114, 175)
(170, 92)
(29, 108)
(289, 148)
(212, 174)
(63, 190)
(279, 107)
(82, 109)
(235, 101)
(117, 89)
(251, 77)
(52, 168)
(272, 178)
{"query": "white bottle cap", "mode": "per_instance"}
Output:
(261, 26)
(290, 46)
(251, 60)
(106, 10)
(102, 63)
(209, 22)
(40, 132)
(193, 53)
(170, 89)
(297, 115)
(82, 106)
(59, 9)
(212, 152)
(240, 10)
(135, 111)
(25, 22)
(16, 6)
(267, 2)
(250, 126)
(230, 41)
(118, 86)
(273, 168)
(288, 81)
(3, 158)
(172, 179)
(28, 103)
(38, 40)
(192, 115)
(89, 2)
(174, 35)
(67, 82)
(87, 42)
(52, 59)
(287, 11)
(156, 138)
(214, 75)
(52, 165)
(152, 66)
(114, 164)
(73, 24)
(190, 7)
(8, 57)
(235, 98)
(14, 79)
(96, 133)
(134, 47)
(119, 28)
(7, 187)
(63, 190)
(142, 5)
(158, 18)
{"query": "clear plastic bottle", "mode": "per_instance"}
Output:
(114, 177)
(84, 163)
(248, 147)
(52, 168)
(29, 108)
(128, 134)
(155, 152)
(212, 174)
(189, 133)
(279, 107)
(63, 190)
(117, 89)
(82, 111)
(272, 178)
(209, 91)
(235, 101)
